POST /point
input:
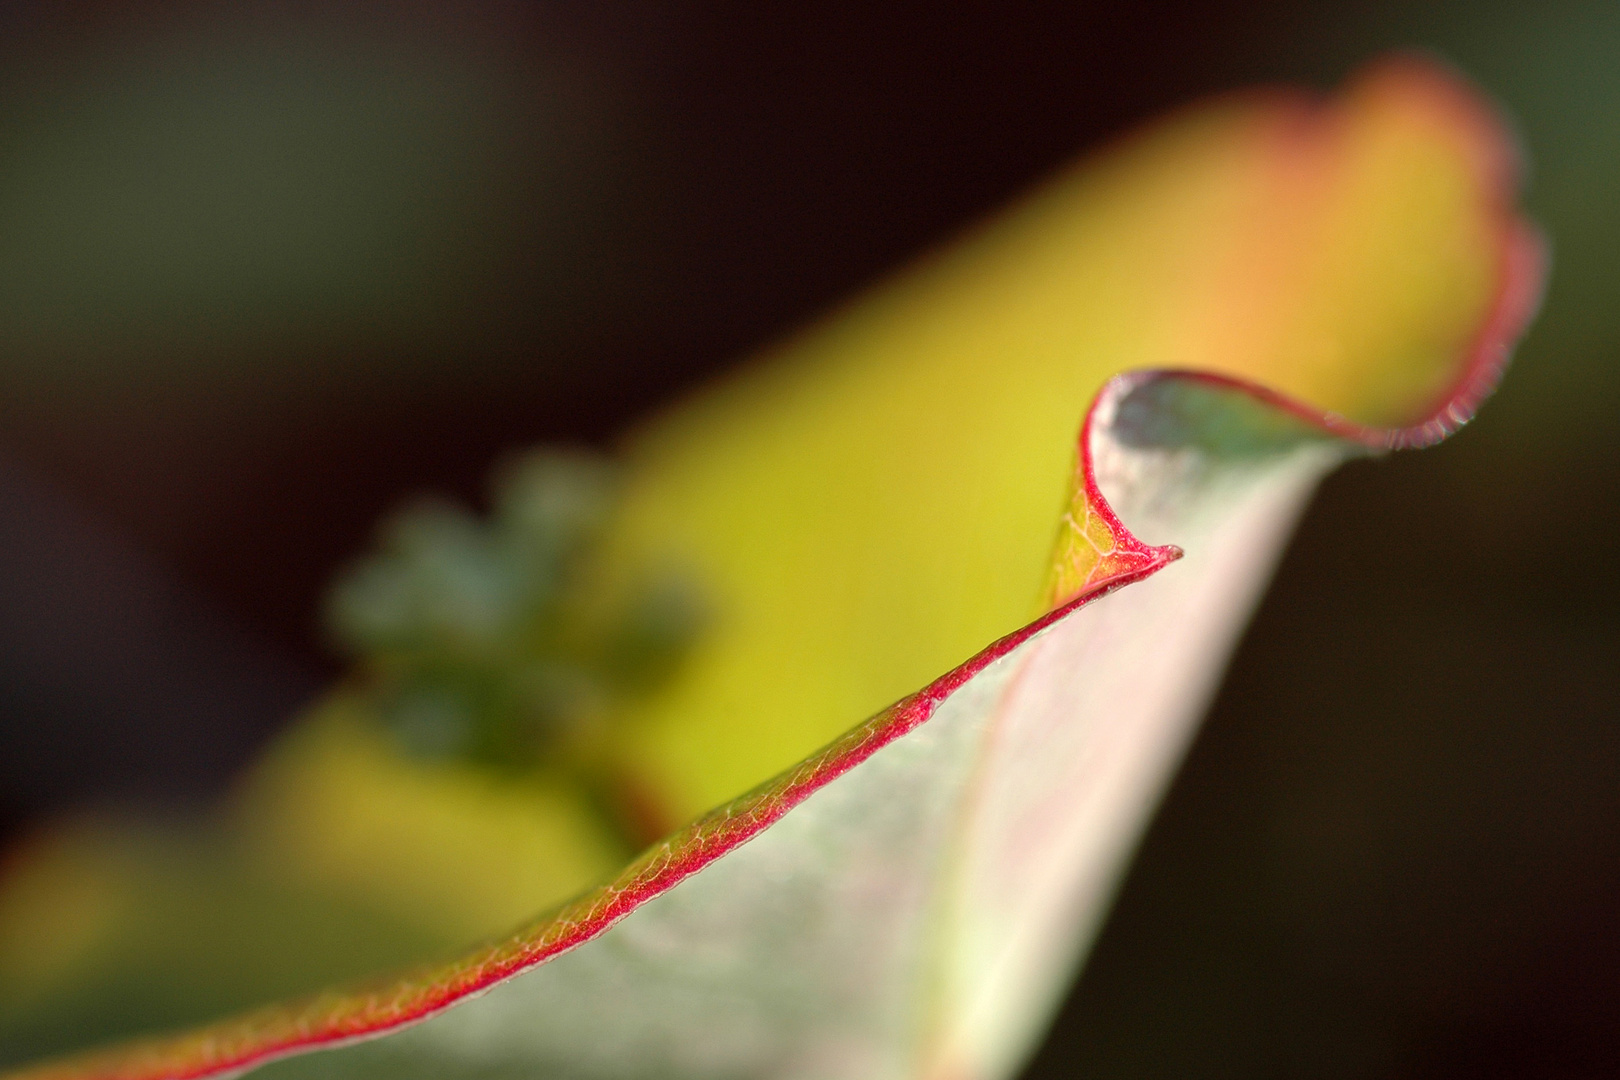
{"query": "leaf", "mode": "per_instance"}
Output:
(876, 502)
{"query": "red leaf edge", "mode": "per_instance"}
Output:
(336, 1018)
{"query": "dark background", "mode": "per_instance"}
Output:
(267, 269)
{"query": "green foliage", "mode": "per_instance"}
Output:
(497, 641)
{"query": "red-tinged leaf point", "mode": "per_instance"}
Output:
(1137, 422)
(340, 1018)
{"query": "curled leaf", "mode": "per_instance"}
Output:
(877, 503)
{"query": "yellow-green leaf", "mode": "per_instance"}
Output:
(896, 493)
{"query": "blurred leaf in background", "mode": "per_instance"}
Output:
(227, 232)
(1399, 861)
(871, 501)
(1394, 850)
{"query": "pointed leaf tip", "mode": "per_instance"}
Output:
(907, 899)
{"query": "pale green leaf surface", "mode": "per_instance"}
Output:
(917, 915)
(868, 509)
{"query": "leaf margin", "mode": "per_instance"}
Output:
(336, 1018)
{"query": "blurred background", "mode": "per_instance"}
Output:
(265, 269)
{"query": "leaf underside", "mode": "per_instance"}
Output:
(908, 900)
(988, 799)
